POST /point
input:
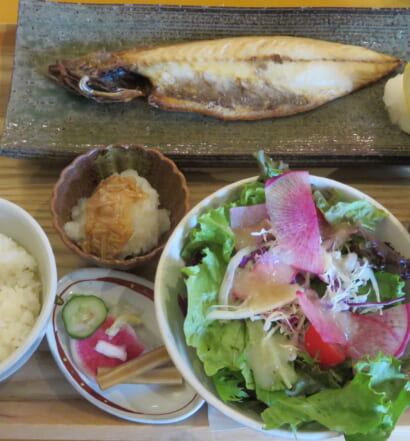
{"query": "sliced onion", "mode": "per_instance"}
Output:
(227, 282)
(370, 304)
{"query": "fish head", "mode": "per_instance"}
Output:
(102, 76)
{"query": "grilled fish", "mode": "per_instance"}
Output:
(231, 78)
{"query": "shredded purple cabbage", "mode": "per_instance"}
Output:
(382, 255)
(252, 257)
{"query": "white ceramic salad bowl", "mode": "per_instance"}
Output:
(169, 285)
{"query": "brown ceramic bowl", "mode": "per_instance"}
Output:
(81, 177)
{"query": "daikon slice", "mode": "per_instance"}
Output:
(387, 332)
(329, 324)
(294, 220)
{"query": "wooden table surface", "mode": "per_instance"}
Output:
(37, 402)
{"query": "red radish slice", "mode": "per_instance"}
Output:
(293, 215)
(388, 332)
(328, 325)
(365, 335)
(89, 360)
(247, 216)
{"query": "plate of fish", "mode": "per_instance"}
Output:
(204, 85)
(105, 340)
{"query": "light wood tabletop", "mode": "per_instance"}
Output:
(37, 402)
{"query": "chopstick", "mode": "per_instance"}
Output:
(144, 363)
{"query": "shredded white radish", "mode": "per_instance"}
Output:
(345, 275)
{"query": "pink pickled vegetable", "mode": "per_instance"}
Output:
(294, 220)
(328, 324)
(88, 359)
(386, 332)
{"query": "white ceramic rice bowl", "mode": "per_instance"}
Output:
(169, 285)
(19, 225)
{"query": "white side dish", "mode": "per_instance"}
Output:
(137, 403)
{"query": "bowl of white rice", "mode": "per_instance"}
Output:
(28, 283)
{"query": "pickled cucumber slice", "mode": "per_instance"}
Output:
(83, 314)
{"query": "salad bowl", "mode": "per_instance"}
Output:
(170, 289)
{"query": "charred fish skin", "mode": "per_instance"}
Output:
(231, 78)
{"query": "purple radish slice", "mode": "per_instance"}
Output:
(386, 332)
(328, 324)
(294, 220)
(362, 335)
(88, 359)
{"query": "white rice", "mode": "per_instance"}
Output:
(20, 295)
(149, 221)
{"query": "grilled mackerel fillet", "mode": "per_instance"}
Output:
(232, 78)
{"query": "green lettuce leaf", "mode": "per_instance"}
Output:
(270, 358)
(365, 409)
(230, 385)
(213, 230)
(219, 344)
(252, 193)
(268, 168)
(391, 286)
(202, 284)
(337, 211)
